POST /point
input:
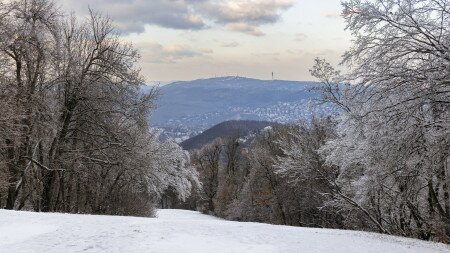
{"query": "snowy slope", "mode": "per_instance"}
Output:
(184, 231)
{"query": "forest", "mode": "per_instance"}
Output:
(75, 136)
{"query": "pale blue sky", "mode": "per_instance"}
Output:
(190, 39)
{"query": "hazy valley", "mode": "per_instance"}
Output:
(185, 109)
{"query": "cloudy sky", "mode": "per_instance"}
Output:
(190, 39)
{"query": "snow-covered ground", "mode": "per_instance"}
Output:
(184, 231)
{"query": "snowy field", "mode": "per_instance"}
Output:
(184, 231)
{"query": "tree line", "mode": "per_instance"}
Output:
(74, 133)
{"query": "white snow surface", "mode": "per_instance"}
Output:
(185, 231)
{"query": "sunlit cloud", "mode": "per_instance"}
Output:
(245, 16)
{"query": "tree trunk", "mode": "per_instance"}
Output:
(11, 200)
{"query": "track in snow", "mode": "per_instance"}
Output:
(185, 231)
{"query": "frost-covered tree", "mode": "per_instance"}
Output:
(393, 149)
(304, 169)
(74, 133)
(169, 168)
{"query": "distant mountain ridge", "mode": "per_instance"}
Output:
(232, 128)
(187, 108)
